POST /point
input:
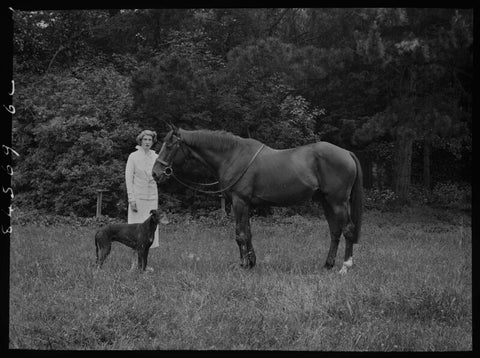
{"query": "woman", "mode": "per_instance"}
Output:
(141, 187)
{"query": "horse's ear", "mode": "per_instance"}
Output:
(174, 128)
(169, 125)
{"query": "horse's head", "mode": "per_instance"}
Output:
(168, 156)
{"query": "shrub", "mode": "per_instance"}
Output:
(380, 199)
(419, 195)
(31, 216)
(73, 138)
(453, 195)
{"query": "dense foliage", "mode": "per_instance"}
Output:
(393, 85)
(72, 136)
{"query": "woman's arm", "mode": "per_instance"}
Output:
(129, 178)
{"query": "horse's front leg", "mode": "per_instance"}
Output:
(243, 234)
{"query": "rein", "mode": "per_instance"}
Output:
(190, 182)
(221, 190)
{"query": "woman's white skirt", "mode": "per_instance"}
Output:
(142, 213)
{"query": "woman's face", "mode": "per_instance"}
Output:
(147, 141)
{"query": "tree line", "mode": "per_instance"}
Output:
(393, 85)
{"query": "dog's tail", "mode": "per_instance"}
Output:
(96, 246)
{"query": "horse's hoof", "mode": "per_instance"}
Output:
(252, 259)
(346, 265)
(247, 265)
(329, 266)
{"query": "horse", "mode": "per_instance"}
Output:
(251, 174)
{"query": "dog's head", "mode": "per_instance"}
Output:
(156, 215)
(159, 216)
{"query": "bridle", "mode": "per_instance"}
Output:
(168, 170)
(168, 166)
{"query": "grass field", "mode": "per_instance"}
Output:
(410, 288)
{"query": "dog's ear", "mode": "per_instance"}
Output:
(153, 212)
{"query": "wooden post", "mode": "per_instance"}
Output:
(222, 203)
(99, 201)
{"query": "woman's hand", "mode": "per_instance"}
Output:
(133, 205)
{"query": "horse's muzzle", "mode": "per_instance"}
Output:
(159, 178)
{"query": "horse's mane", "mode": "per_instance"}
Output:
(219, 139)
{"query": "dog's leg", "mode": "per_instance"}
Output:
(141, 259)
(104, 251)
(145, 257)
(134, 260)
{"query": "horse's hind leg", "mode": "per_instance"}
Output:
(348, 260)
(243, 234)
(339, 222)
(334, 224)
(348, 234)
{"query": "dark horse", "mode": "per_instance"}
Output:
(251, 174)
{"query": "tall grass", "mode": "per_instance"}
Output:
(410, 288)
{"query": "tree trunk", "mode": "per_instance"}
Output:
(403, 164)
(426, 164)
(367, 173)
(375, 176)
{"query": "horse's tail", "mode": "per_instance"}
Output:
(356, 200)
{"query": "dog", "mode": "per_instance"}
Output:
(136, 236)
